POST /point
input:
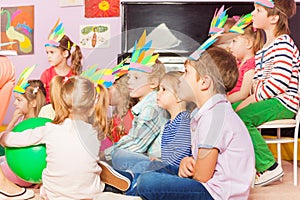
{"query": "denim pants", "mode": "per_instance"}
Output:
(165, 184)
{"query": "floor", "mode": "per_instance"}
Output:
(279, 190)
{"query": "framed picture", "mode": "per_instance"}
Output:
(95, 36)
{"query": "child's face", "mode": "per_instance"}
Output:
(114, 96)
(238, 47)
(21, 103)
(138, 84)
(260, 17)
(54, 55)
(188, 84)
(166, 97)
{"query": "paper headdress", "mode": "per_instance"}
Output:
(218, 21)
(56, 35)
(196, 54)
(142, 57)
(105, 76)
(266, 3)
(242, 23)
(23, 80)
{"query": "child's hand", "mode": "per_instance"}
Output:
(154, 158)
(17, 114)
(187, 167)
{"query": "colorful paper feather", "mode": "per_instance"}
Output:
(56, 34)
(142, 58)
(219, 19)
(266, 3)
(242, 23)
(196, 54)
(23, 80)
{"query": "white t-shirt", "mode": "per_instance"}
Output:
(72, 148)
(216, 125)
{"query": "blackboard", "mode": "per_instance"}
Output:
(188, 21)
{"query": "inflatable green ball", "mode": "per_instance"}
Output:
(28, 163)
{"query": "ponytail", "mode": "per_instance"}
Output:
(76, 58)
(101, 107)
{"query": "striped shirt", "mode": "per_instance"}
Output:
(146, 127)
(176, 139)
(277, 72)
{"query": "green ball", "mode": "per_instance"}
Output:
(28, 163)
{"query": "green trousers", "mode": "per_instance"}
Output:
(256, 114)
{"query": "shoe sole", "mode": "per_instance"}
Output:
(109, 176)
(276, 178)
(26, 194)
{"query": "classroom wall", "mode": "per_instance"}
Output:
(46, 14)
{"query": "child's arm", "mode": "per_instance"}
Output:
(17, 114)
(245, 88)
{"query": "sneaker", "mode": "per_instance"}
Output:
(113, 178)
(25, 194)
(269, 176)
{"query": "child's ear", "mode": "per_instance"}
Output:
(249, 43)
(205, 82)
(65, 53)
(274, 19)
(154, 83)
(33, 103)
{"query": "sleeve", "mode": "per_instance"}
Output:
(26, 138)
(277, 72)
(143, 132)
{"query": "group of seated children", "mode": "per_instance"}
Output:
(157, 148)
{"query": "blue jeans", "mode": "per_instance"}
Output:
(162, 185)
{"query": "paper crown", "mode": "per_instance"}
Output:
(23, 80)
(196, 54)
(218, 21)
(105, 76)
(142, 57)
(56, 35)
(242, 23)
(266, 3)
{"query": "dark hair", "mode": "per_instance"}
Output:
(66, 44)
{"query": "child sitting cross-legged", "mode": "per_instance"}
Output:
(221, 146)
(144, 78)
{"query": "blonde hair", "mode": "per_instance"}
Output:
(257, 37)
(285, 9)
(220, 65)
(66, 44)
(158, 71)
(36, 91)
(172, 80)
(55, 89)
(79, 96)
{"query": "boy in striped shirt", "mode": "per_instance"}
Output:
(275, 84)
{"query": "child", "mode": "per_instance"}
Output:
(121, 120)
(275, 85)
(148, 120)
(244, 47)
(59, 49)
(72, 172)
(221, 146)
(28, 105)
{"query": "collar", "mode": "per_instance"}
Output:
(214, 100)
(151, 97)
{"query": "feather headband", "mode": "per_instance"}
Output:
(142, 57)
(265, 3)
(218, 21)
(242, 23)
(23, 80)
(56, 35)
(196, 54)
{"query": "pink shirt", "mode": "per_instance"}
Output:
(248, 65)
(47, 76)
(216, 125)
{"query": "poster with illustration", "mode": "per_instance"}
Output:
(95, 36)
(102, 8)
(17, 26)
(65, 3)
